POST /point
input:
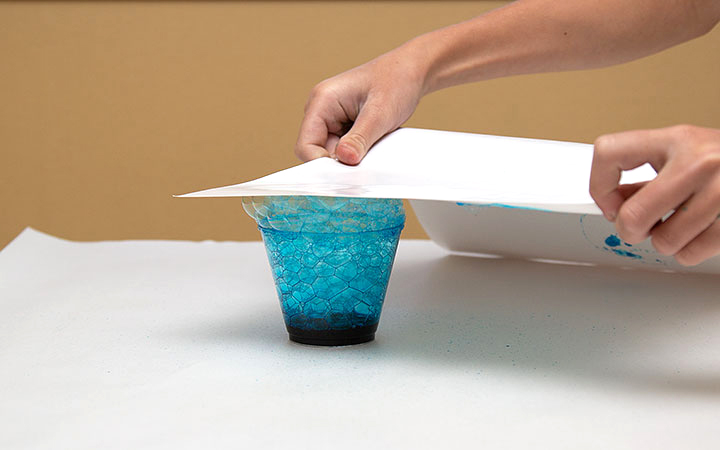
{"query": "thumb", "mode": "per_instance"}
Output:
(371, 124)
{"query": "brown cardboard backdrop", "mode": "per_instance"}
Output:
(106, 109)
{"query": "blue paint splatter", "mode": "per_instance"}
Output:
(625, 253)
(614, 241)
(616, 245)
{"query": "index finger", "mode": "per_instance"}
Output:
(623, 151)
(312, 138)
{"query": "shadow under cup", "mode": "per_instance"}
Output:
(331, 260)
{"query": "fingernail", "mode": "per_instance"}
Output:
(346, 153)
(611, 216)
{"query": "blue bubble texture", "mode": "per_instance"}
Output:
(331, 258)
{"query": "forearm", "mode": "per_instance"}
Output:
(532, 36)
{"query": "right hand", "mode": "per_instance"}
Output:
(346, 114)
(678, 208)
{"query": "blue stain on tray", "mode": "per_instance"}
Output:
(499, 205)
(613, 241)
(613, 244)
(626, 253)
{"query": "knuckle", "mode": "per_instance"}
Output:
(714, 192)
(319, 89)
(598, 197)
(376, 106)
(596, 189)
(316, 93)
(308, 104)
(631, 218)
(663, 242)
(300, 153)
(684, 132)
(688, 257)
(701, 163)
(602, 144)
(708, 161)
(594, 192)
(358, 139)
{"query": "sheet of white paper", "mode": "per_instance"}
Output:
(483, 194)
(181, 345)
(443, 165)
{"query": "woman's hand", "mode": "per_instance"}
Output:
(348, 113)
(687, 188)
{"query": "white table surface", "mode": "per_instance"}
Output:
(158, 344)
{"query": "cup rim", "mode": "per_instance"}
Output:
(273, 230)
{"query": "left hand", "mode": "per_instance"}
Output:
(687, 187)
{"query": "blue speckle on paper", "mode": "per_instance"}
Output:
(625, 253)
(612, 241)
(614, 244)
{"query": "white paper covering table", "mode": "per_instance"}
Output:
(156, 344)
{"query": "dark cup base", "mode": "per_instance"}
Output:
(350, 336)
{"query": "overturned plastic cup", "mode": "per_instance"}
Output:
(331, 259)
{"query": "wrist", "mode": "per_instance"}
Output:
(451, 56)
(422, 57)
(428, 50)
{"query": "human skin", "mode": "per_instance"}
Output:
(346, 114)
